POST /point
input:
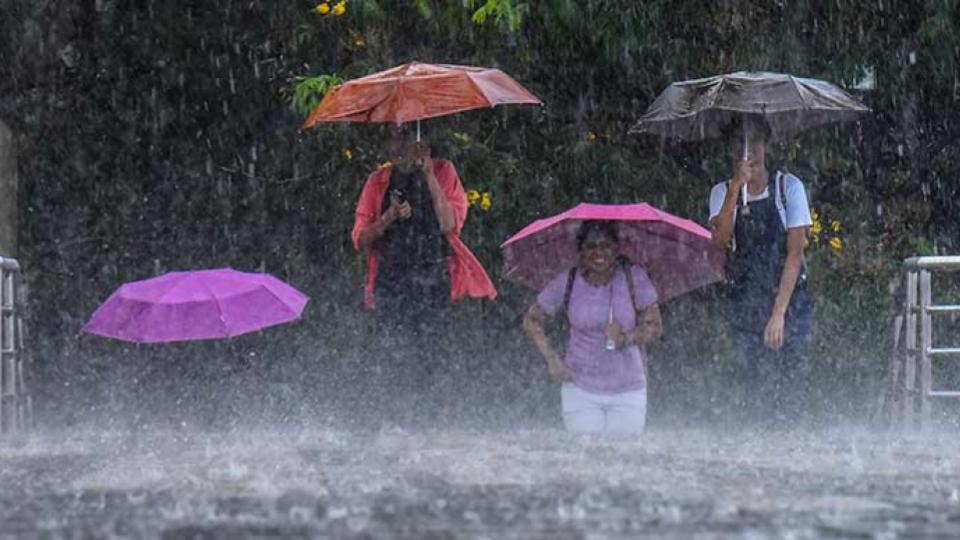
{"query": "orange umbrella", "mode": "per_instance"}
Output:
(415, 91)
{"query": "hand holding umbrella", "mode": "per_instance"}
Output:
(416, 91)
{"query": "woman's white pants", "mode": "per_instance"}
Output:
(586, 412)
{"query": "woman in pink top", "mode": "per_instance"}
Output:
(612, 311)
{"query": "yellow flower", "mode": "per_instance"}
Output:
(359, 41)
(347, 154)
(591, 136)
(815, 215)
(835, 226)
(472, 196)
(486, 202)
(384, 165)
(339, 8)
(806, 242)
(817, 227)
(322, 8)
(836, 243)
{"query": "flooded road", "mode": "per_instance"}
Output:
(693, 483)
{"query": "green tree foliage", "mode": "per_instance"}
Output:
(306, 92)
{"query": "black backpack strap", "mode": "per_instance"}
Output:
(631, 287)
(628, 274)
(569, 289)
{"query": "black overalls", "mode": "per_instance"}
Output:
(775, 381)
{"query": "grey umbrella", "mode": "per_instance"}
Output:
(705, 108)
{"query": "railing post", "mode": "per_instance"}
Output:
(918, 312)
(7, 358)
(910, 348)
(926, 344)
(16, 406)
(25, 408)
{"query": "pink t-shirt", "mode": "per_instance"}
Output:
(594, 368)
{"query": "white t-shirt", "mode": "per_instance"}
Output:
(796, 213)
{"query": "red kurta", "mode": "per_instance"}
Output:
(467, 276)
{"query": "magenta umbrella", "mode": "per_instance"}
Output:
(677, 253)
(194, 305)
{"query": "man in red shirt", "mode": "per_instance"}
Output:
(408, 220)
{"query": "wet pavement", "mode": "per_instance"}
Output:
(524, 484)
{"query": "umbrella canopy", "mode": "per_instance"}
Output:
(193, 305)
(704, 108)
(416, 91)
(677, 253)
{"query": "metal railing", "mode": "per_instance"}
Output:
(913, 356)
(16, 406)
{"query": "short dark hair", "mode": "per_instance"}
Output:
(610, 229)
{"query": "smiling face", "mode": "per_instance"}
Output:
(598, 251)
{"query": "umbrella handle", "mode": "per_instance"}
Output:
(609, 344)
(746, 144)
(746, 156)
(418, 130)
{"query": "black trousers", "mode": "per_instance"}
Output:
(412, 344)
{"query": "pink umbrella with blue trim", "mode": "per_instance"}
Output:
(677, 253)
(196, 305)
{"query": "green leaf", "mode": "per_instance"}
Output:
(484, 11)
(423, 8)
(306, 92)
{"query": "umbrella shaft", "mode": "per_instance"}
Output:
(746, 156)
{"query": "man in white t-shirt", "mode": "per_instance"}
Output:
(762, 218)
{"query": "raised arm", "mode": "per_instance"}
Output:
(442, 205)
(721, 224)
